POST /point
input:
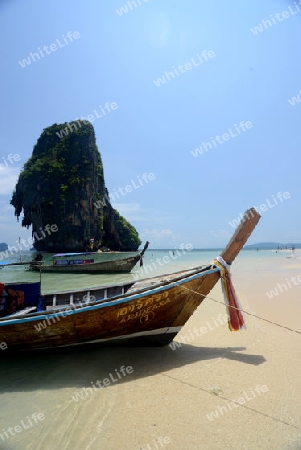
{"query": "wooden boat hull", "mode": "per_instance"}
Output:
(113, 266)
(159, 314)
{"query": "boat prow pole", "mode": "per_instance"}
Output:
(248, 222)
(145, 248)
(247, 225)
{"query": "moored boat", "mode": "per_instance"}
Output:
(150, 312)
(86, 263)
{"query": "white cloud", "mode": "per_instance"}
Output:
(220, 234)
(130, 211)
(125, 208)
(134, 212)
(158, 237)
(165, 238)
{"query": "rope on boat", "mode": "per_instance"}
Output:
(236, 320)
(242, 311)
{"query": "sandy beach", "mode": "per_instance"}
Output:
(209, 389)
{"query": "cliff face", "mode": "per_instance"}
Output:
(63, 184)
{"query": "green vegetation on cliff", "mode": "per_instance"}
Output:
(60, 184)
(126, 232)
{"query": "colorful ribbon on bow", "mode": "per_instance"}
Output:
(236, 319)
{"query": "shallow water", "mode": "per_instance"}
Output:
(153, 264)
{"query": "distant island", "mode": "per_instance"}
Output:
(3, 246)
(62, 194)
(271, 246)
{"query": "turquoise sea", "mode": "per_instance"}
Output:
(155, 262)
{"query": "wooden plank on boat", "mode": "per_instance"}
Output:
(248, 223)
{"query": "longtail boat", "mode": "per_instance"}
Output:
(150, 312)
(85, 263)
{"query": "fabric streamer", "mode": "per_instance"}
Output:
(236, 320)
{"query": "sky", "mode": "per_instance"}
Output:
(179, 74)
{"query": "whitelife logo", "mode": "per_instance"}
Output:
(33, 57)
(77, 123)
(205, 146)
(3, 346)
(262, 208)
(237, 403)
(285, 15)
(284, 287)
(124, 9)
(293, 101)
(188, 66)
(146, 268)
(24, 425)
(54, 318)
(22, 242)
(158, 443)
(111, 197)
(84, 393)
(11, 158)
(203, 330)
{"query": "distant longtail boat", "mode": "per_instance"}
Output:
(85, 263)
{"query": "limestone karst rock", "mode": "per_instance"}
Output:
(63, 184)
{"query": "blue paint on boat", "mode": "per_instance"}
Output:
(152, 290)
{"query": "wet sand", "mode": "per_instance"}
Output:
(216, 389)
